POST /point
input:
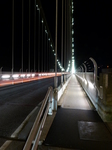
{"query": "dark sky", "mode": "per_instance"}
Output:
(93, 29)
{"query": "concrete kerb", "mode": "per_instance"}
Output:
(61, 91)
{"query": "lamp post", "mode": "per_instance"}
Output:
(29, 35)
(55, 79)
(38, 37)
(12, 36)
(62, 44)
(22, 34)
(34, 34)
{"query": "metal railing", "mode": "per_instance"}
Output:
(62, 88)
(88, 80)
(35, 133)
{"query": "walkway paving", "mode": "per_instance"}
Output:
(76, 125)
(74, 96)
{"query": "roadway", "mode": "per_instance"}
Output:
(16, 103)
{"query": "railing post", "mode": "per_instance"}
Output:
(85, 70)
(55, 98)
(50, 112)
(82, 69)
(64, 77)
(95, 75)
(61, 78)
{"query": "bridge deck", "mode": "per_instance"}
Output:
(76, 124)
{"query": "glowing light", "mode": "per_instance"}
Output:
(72, 45)
(73, 67)
(5, 76)
(37, 7)
(72, 11)
(22, 75)
(85, 81)
(91, 85)
(72, 39)
(28, 75)
(15, 76)
(33, 75)
(46, 31)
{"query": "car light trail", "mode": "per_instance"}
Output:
(29, 77)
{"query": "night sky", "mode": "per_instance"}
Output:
(93, 30)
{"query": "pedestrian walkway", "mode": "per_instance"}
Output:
(74, 96)
(76, 125)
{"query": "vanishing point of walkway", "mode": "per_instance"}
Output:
(76, 125)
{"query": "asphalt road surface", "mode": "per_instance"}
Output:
(17, 102)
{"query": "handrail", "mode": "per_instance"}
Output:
(85, 70)
(36, 130)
